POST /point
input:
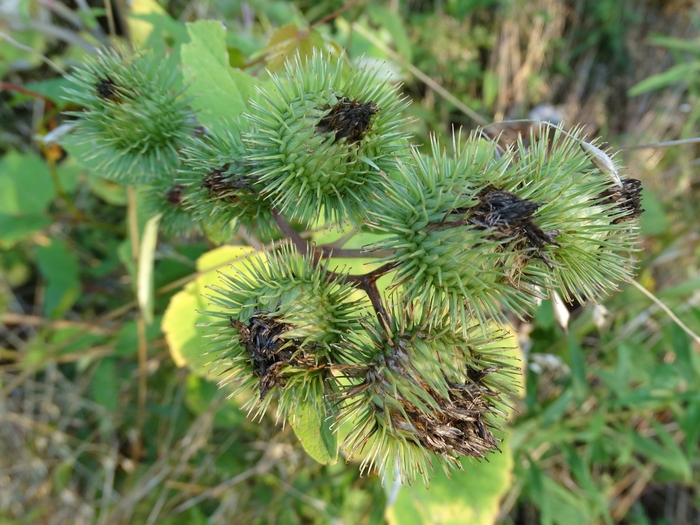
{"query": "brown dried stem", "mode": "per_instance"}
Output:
(366, 282)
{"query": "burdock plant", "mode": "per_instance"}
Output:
(407, 371)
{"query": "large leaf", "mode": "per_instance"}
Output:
(104, 387)
(218, 90)
(472, 496)
(288, 40)
(26, 187)
(313, 430)
(59, 266)
(187, 346)
(383, 17)
(140, 30)
(14, 228)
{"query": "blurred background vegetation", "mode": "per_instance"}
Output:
(99, 423)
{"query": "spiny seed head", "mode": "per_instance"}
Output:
(134, 121)
(476, 230)
(427, 389)
(323, 138)
(280, 318)
(225, 191)
(168, 198)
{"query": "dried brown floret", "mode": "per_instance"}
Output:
(220, 185)
(107, 89)
(174, 195)
(269, 352)
(628, 197)
(510, 217)
(458, 429)
(350, 119)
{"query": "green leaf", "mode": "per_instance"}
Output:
(676, 74)
(288, 40)
(567, 507)
(104, 386)
(73, 339)
(127, 340)
(490, 89)
(312, 427)
(199, 395)
(144, 287)
(59, 266)
(52, 89)
(670, 456)
(654, 220)
(676, 44)
(218, 91)
(471, 496)
(187, 346)
(578, 368)
(25, 184)
(109, 191)
(14, 228)
(167, 33)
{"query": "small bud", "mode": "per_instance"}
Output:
(602, 160)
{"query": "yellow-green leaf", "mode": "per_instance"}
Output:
(218, 90)
(471, 496)
(313, 430)
(187, 346)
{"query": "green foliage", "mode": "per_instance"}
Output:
(380, 341)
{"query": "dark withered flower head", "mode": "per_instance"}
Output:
(423, 391)
(107, 89)
(510, 217)
(270, 351)
(168, 199)
(626, 198)
(174, 195)
(280, 318)
(225, 191)
(348, 119)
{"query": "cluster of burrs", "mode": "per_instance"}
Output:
(409, 370)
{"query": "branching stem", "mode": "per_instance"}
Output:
(301, 245)
(366, 282)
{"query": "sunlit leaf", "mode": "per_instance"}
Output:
(218, 90)
(187, 346)
(471, 496)
(312, 427)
